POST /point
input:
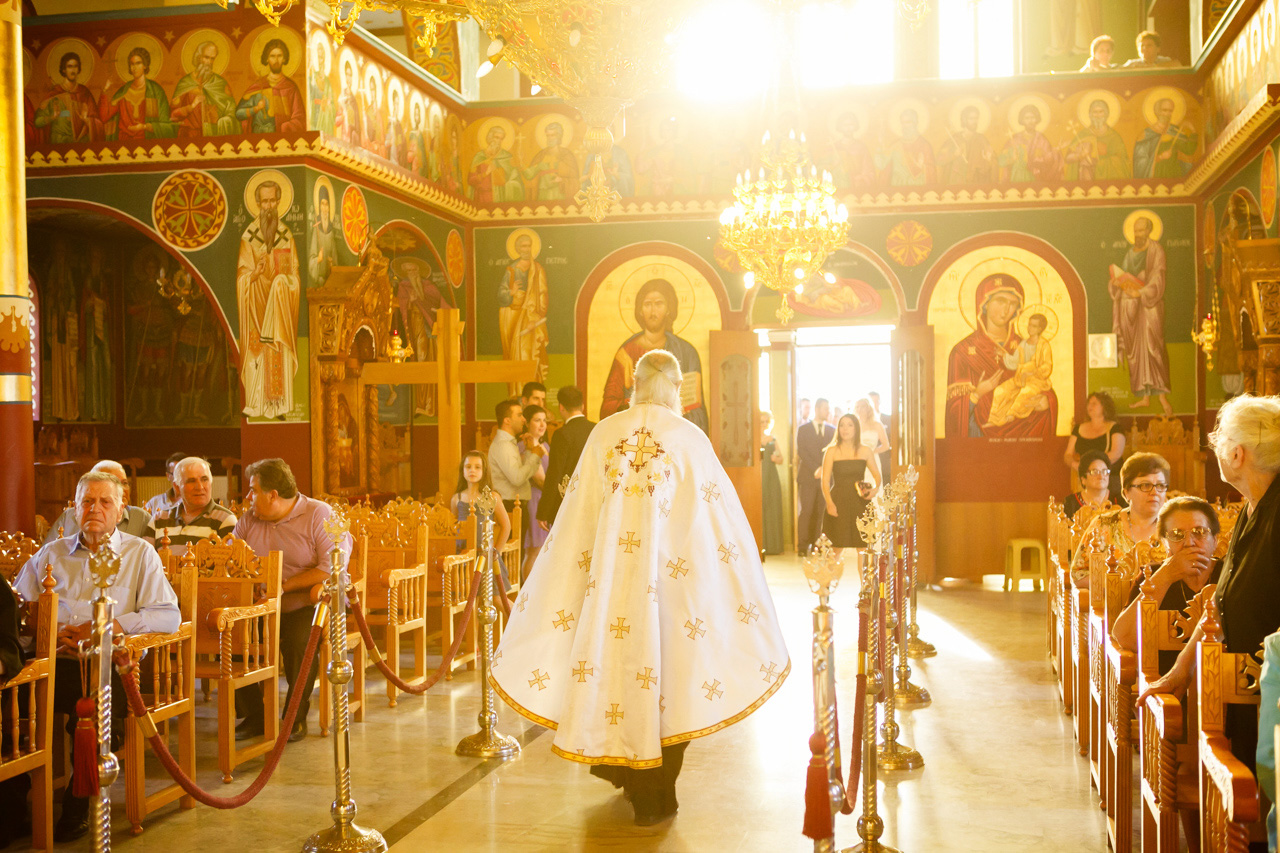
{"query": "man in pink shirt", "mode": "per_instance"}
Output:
(283, 519)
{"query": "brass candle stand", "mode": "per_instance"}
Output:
(488, 742)
(104, 565)
(870, 824)
(823, 570)
(916, 647)
(892, 755)
(906, 695)
(344, 836)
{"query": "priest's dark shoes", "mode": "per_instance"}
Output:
(646, 819)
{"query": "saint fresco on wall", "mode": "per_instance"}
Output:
(1003, 321)
(523, 301)
(1137, 289)
(649, 302)
(267, 298)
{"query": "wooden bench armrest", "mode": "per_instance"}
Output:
(1165, 712)
(1123, 662)
(136, 644)
(391, 577)
(222, 618)
(33, 670)
(1234, 782)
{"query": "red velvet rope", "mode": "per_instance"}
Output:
(161, 749)
(417, 689)
(859, 720)
(505, 595)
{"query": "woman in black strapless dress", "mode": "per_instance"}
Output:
(843, 466)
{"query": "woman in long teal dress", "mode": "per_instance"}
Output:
(770, 459)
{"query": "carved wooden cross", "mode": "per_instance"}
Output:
(449, 373)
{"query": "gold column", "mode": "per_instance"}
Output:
(17, 475)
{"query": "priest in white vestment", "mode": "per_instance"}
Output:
(646, 620)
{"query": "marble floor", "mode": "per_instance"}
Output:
(1001, 772)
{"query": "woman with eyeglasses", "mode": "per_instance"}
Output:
(1095, 484)
(1189, 527)
(1097, 430)
(1145, 481)
(1246, 442)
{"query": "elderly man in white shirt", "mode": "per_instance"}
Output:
(145, 603)
(511, 462)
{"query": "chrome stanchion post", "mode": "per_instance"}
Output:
(916, 647)
(488, 742)
(104, 565)
(907, 696)
(823, 570)
(344, 836)
(870, 825)
(892, 755)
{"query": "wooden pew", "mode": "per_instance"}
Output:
(15, 550)
(1098, 635)
(1228, 790)
(167, 681)
(26, 745)
(1165, 754)
(237, 636)
(1079, 608)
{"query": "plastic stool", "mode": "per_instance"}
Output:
(1013, 572)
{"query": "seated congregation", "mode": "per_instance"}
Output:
(1164, 635)
(225, 592)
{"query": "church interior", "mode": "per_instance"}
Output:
(993, 232)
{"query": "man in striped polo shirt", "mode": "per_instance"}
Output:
(197, 516)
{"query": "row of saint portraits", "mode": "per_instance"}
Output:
(135, 88)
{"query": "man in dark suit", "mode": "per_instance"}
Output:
(566, 447)
(811, 440)
(887, 456)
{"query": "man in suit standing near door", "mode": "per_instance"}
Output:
(566, 447)
(811, 440)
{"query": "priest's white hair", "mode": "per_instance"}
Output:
(657, 380)
(1245, 421)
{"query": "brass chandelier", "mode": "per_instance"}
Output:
(785, 222)
(597, 55)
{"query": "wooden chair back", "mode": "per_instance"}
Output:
(445, 533)
(457, 571)
(15, 550)
(385, 543)
(1229, 800)
(1227, 517)
(26, 717)
(1179, 446)
(231, 578)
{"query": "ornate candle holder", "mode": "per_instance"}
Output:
(397, 350)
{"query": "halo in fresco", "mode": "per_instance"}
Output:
(859, 112)
(355, 219)
(323, 181)
(896, 111)
(320, 39)
(347, 59)
(681, 278)
(1010, 266)
(1106, 96)
(455, 258)
(1023, 101)
(149, 43)
(291, 41)
(1158, 94)
(62, 46)
(416, 100)
(395, 87)
(984, 113)
(189, 210)
(540, 129)
(435, 119)
(251, 191)
(373, 84)
(535, 244)
(187, 49)
(1267, 187)
(1157, 224)
(28, 67)
(1024, 318)
(482, 131)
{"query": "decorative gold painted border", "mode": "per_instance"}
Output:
(1246, 127)
(666, 741)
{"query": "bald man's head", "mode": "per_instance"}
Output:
(115, 469)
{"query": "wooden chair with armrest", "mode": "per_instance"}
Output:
(1099, 634)
(457, 571)
(1081, 664)
(15, 550)
(450, 581)
(1168, 760)
(354, 646)
(237, 629)
(511, 554)
(1229, 802)
(26, 714)
(1054, 523)
(392, 557)
(167, 682)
